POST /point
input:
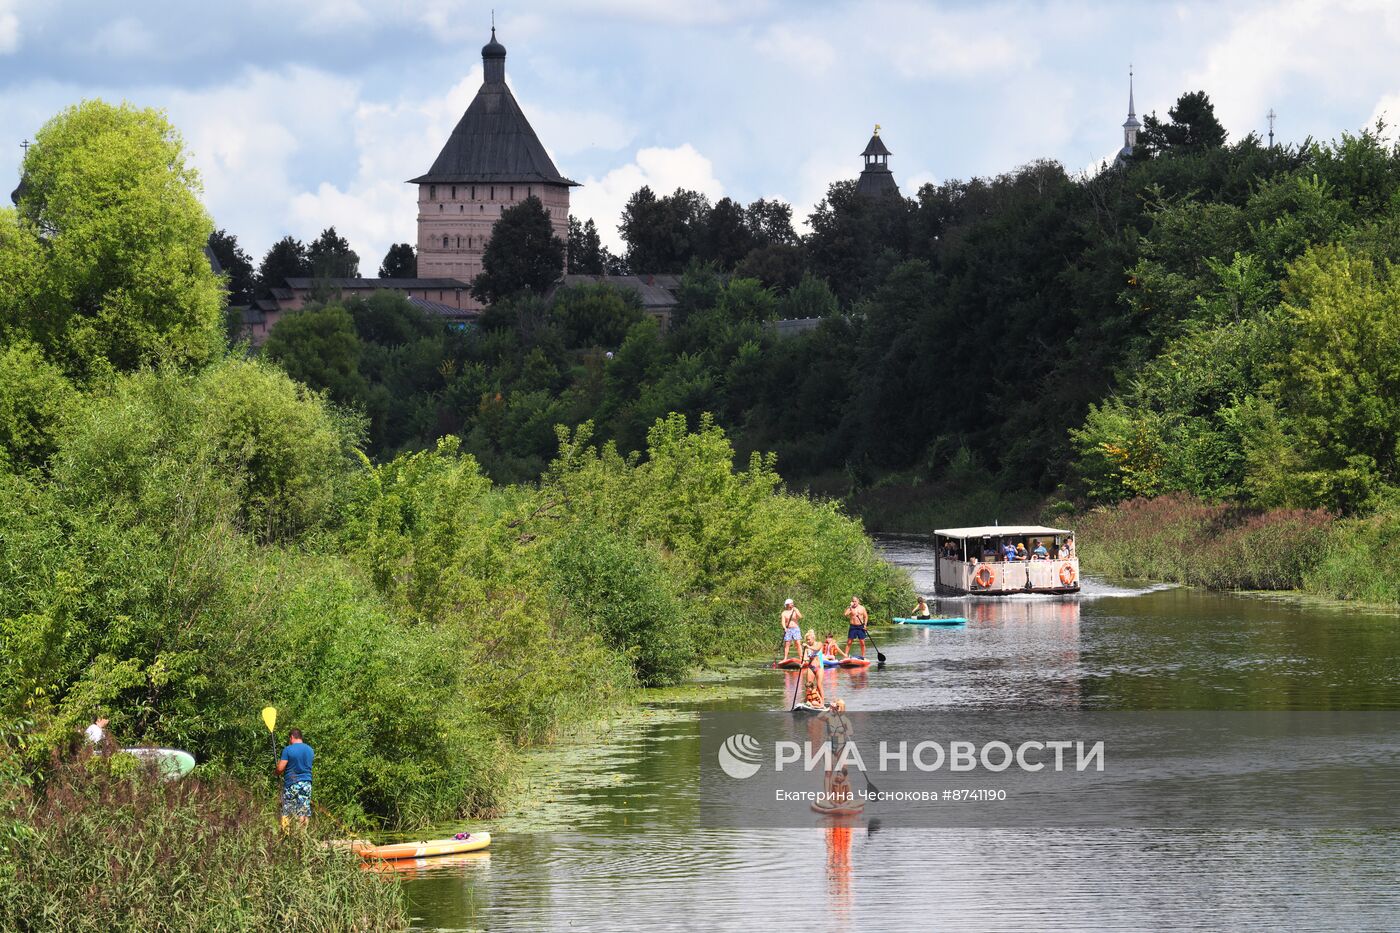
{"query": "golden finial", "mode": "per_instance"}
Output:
(877, 129)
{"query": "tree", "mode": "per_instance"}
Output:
(777, 265)
(770, 223)
(331, 257)
(237, 265)
(523, 254)
(664, 234)
(1192, 127)
(285, 259)
(399, 263)
(107, 251)
(595, 315)
(727, 235)
(318, 347)
(586, 251)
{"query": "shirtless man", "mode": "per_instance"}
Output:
(792, 629)
(858, 618)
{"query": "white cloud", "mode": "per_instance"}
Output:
(803, 51)
(245, 139)
(924, 42)
(1387, 109)
(9, 29)
(663, 170)
(123, 38)
(565, 132)
(393, 143)
(1321, 48)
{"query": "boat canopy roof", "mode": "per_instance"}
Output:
(992, 531)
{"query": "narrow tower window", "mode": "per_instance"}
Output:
(432, 192)
(444, 242)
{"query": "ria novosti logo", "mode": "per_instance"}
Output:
(740, 756)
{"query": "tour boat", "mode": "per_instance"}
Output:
(971, 562)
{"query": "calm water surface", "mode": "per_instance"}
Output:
(610, 841)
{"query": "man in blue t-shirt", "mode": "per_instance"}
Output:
(295, 768)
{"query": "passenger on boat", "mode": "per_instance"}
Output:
(1008, 551)
(1040, 553)
(921, 610)
(1069, 547)
(1020, 550)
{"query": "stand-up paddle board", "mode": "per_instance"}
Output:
(472, 842)
(950, 621)
(172, 763)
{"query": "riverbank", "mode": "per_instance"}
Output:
(1181, 539)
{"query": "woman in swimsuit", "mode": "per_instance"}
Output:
(812, 670)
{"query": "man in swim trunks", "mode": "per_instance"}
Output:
(295, 768)
(859, 618)
(792, 629)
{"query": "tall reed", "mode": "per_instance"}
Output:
(109, 850)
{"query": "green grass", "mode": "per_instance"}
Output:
(122, 851)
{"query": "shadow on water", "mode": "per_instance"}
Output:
(609, 839)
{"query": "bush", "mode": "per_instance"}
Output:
(1180, 539)
(109, 852)
(620, 589)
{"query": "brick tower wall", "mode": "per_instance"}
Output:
(465, 216)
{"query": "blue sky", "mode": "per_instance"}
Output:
(307, 113)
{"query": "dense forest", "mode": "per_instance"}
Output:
(1210, 317)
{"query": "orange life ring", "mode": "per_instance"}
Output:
(984, 577)
(1067, 574)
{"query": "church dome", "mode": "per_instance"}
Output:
(493, 49)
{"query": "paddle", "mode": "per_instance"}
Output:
(269, 718)
(780, 647)
(795, 687)
(878, 655)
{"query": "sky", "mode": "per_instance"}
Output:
(303, 114)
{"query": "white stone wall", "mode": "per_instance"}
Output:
(465, 216)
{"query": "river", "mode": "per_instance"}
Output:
(608, 838)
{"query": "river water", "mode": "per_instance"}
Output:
(608, 839)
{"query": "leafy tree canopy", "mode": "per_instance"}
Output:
(104, 266)
(523, 254)
(400, 262)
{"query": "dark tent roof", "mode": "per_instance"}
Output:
(493, 143)
(875, 147)
(877, 180)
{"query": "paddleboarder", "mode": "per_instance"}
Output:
(921, 610)
(859, 618)
(792, 629)
(813, 662)
(295, 768)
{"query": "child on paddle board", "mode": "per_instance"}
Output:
(792, 630)
(921, 610)
(830, 648)
(812, 670)
(859, 618)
